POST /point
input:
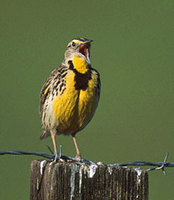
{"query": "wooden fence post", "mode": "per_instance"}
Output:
(80, 181)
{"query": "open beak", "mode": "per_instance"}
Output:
(84, 48)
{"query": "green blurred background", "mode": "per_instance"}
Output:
(133, 51)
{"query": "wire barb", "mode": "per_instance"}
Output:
(162, 166)
(60, 151)
(49, 148)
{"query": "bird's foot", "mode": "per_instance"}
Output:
(78, 156)
(58, 156)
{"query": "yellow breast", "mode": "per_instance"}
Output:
(88, 101)
(75, 108)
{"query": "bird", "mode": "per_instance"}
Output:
(70, 95)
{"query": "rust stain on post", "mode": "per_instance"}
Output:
(56, 181)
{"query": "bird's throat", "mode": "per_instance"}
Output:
(80, 64)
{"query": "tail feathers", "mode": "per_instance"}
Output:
(44, 134)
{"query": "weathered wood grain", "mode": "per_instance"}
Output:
(50, 181)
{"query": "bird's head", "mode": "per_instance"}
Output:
(79, 47)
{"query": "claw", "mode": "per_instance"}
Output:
(56, 157)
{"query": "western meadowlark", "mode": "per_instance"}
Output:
(70, 95)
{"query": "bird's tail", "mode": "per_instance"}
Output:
(44, 134)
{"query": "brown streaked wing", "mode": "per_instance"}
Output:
(45, 86)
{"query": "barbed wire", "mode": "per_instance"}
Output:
(156, 165)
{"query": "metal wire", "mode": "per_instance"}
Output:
(156, 165)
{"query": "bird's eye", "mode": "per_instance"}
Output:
(73, 44)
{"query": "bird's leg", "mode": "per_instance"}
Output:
(53, 136)
(76, 146)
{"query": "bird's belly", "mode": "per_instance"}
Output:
(73, 110)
